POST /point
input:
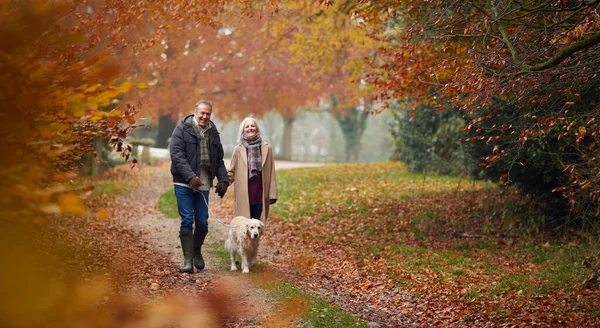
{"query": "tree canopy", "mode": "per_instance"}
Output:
(65, 70)
(71, 67)
(482, 57)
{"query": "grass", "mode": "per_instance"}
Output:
(110, 189)
(167, 204)
(472, 242)
(318, 313)
(349, 182)
(444, 231)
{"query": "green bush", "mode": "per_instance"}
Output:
(430, 142)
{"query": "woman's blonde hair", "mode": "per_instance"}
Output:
(241, 131)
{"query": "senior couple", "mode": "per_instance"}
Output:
(197, 159)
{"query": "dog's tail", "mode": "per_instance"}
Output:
(228, 245)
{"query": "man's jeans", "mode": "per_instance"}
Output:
(192, 209)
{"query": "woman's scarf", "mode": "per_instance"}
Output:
(252, 144)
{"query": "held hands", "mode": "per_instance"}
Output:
(195, 183)
(272, 201)
(221, 188)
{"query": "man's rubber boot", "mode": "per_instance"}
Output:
(198, 241)
(187, 246)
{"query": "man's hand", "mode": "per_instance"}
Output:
(272, 201)
(195, 183)
(221, 188)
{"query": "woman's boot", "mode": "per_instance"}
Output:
(187, 246)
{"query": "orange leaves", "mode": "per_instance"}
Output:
(394, 245)
(491, 159)
(95, 97)
(304, 262)
(65, 86)
(546, 70)
(70, 203)
(107, 71)
(103, 215)
(580, 134)
(292, 309)
(325, 45)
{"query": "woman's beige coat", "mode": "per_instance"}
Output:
(238, 176)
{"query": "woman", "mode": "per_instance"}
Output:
(252, 172)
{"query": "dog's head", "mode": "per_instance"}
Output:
(254, 228)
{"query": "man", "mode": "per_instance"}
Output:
(196, 159)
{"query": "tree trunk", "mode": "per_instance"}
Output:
(286, 151)
(353, 124)
(97, 159)
(165, 129)
(593, 281)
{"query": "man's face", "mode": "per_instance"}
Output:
(202, 115)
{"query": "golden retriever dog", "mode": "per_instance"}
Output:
(243, 239)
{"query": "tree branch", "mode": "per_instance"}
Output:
(565, 53)
(559, 57)
(507, 41)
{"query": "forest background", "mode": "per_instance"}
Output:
(505, 91)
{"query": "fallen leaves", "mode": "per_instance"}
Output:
(390, 248)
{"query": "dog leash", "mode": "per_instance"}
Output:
(211, 213)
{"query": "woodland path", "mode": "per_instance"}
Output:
(160, 234)
(329, 271)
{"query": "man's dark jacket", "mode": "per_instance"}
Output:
(185, 157)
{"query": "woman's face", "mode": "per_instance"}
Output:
(250, 128)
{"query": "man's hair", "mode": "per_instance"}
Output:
(203, 102)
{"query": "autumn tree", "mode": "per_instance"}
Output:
(67, 65)
(326, 45)
(539, 57)
(64, 65)
(173, 74)
(228, 64)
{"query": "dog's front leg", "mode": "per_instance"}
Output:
(245, 267)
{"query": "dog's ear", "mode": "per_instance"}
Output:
(248, 229)
(261, 227)
(243, 230)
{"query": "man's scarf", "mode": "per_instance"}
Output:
(252, 144)
(202, 134)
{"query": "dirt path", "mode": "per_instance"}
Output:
(160, 234)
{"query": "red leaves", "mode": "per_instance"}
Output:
(472, 139)
(493, 139)
(439, 108)
(328, 3)
(491, 159)
(536, 70)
